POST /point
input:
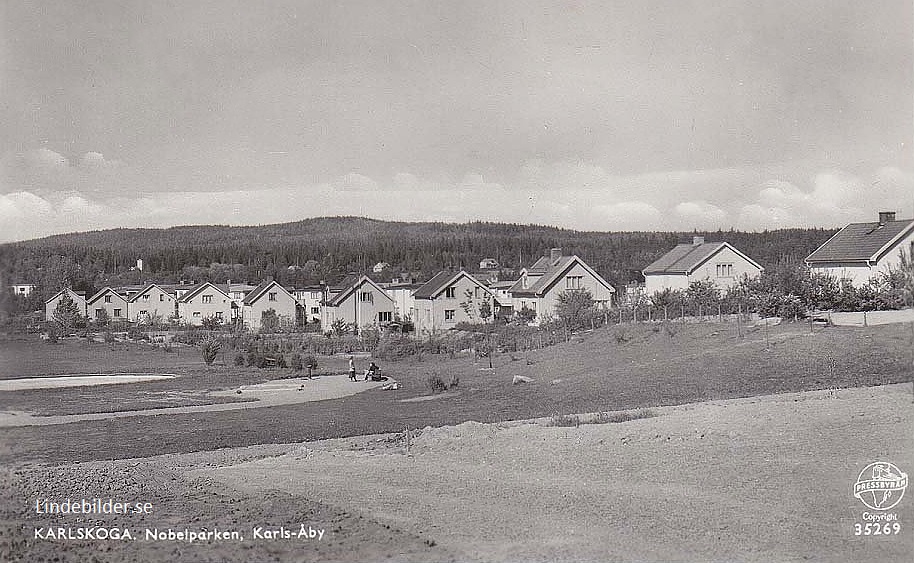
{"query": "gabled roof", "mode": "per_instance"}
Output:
(347, 291)
(146, 288)
(686, 258)
(550, 271)
(262, 290)
(193, 293)
(79, 294)
(862, 242)
(103, 291)
(440, 281)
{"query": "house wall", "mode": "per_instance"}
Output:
(284, 305)
(153, 302)
(860, 275)
(726, 256)
(602, 295)
(403, 301)
(357, 312)
(658, 282)
(117, 305)
(221, 303)
(310, 300)
(51, 305)
(432, 313)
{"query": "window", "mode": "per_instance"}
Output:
(117, 312)
(366, 297)
(107, 299)
(99, 313)
(385, 316)
(144, 314)
(161, 297)
(315, 310)
(146, 297)
(725, 270)
(197, 314)
(573, 282)
(219, 315)
(449, 314)
(207, 298)
(271, 296)
(450, 292)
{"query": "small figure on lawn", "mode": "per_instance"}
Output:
(373, 372)
(351, 369)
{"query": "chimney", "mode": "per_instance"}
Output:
(555, 254)
(697, 241)
(886, 216)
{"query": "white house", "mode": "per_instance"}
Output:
(267, 296)
(540, 285)
(309, 298)
(205, 300)
(861, 252)
(359, 302)
(402, 295)
(107, 302)
(51, 304)
(23, 289)
(718, 262)
(151, 302)
(450, 298)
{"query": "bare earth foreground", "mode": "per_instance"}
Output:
(756, 479)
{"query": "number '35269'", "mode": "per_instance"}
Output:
(874, 529)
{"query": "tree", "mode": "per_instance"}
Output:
(469, 304)
(66, 314)
(703, 295)
(525, 315)
(485, 309)
(211, 322)
(269, 321)
(102, 318)
(574, 308)
(210, 349)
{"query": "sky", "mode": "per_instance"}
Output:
(605, 115)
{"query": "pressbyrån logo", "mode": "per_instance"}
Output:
(881, 485)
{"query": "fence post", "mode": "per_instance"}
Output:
(666, 314)
(720, 313)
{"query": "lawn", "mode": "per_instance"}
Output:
(615, 368)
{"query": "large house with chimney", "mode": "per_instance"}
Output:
(718, 262)
(861, 252)
(540, 285)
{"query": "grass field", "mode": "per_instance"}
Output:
(616, 368)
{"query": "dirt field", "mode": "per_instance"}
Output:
(761, 479)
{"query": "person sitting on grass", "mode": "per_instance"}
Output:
(373, 372)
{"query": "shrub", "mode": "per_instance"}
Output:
(251, 359)
(439, 384)
(295, 362)
(310, 363)
(565, 420)
(281, 361)
(239, 360)
(52, 333)
(109, 337)
(210, 349)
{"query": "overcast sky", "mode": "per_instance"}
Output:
(604, 115)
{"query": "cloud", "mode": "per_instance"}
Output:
(701, 215)
(43, 171)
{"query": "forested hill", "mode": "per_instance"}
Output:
(318, 249)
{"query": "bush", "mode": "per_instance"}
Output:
(239, 360)
(109, 337)
(310, 363)
(439, 384)
(295, 362)
(53, 331)
(251, 359)
(210, 349)
(281, 361)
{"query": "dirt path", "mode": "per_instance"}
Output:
(757, 479)
(269, 394)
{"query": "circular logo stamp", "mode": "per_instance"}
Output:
(880, 485)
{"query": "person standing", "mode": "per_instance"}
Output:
(352, 369)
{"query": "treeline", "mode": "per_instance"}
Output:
(326, 249)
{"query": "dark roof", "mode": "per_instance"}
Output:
(683, 258)
(433, 286)
(860, 242)
(549, 270)
(338, 298)
(105, 290)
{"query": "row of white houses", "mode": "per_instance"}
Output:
(441, 303)
(858, 252)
